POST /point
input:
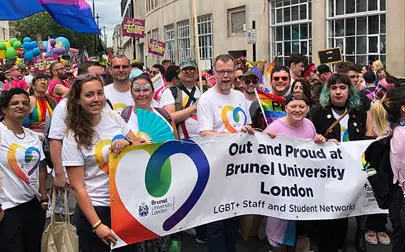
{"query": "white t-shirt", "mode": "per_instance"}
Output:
(191, 123)
(133, 123)
(19, 167)
(344, 130)
(222, 113)
(119, 100)
(96, 180)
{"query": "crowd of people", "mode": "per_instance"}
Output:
(63, 119)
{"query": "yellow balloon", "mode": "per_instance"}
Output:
(2, 54)
(7, 44)
(62, 61)
(18, 61)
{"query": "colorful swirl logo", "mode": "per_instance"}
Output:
(28, 157)
(235, 115)
(102, 162)
(158, 177)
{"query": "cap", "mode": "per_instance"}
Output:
(188, 63)
(323, 69)
(295, 97)
(135, 73)
(249, 73)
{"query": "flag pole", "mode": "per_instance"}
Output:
(196, 42)
(261, 107)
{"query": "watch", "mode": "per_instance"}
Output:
(129, 140)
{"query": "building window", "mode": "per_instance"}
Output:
(359, 29)
(291, 30)
(170, 43)
(183, 32)
(155, 34)
(205, 36)
(236, 20)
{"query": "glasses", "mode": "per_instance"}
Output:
(119, 67)
(284, 78)
(254, 82)
(87, 76)
(188, 71)
(223, 72)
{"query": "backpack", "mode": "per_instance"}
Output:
(177, 95)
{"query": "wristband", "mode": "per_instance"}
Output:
(129, 141)
(96, 225)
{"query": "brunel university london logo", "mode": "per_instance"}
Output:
(236, 112)
(32, 156)
(158, 180)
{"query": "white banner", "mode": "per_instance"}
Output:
(170, 187)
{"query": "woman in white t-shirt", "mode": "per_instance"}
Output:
(91, 132)
(22, 177)
(158, 125)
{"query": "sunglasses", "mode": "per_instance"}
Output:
(188, 71)
(138, 88)
(87, 76)
(119, 67)
(254, 82)
(284, 78)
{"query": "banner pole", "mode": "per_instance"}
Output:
(196, 43)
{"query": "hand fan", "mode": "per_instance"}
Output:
(152, 127)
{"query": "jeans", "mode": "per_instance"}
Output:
(222, 235)
(22, 227)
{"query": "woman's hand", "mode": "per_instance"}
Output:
(271, 133)
(319, 138)
(118, 145)
(333, 141)
(248, 129)
(105, 234)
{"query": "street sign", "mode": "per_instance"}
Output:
(331, 55)
(251, 36)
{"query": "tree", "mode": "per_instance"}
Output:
(43, 24)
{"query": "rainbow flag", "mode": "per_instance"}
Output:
(272, 106)
(267, 73)
(73, 14)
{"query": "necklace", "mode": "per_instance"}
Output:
(17, 136)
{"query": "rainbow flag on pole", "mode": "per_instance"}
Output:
(272, 106)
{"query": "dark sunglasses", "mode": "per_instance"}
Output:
(254, 82)
(284, 78)
(188, 71)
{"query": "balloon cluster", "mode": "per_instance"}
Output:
(31, 49)
(58, 46)
(8, 49)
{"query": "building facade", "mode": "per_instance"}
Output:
(4, 30)
(359, 27)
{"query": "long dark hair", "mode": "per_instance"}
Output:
(77, 120)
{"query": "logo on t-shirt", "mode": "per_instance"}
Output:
(31, 157)
(102, 151)
(236, 112)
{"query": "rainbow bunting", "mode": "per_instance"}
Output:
(272, 105)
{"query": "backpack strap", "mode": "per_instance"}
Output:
(110, 104)
(126, 113)
(168, 118)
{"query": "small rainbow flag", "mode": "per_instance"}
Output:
(272, 106)
(267, 72)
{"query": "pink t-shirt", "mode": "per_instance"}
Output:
(15, 84)
(52, 85)
(397, 159)
(305, 130)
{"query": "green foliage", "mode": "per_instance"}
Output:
(43, 25)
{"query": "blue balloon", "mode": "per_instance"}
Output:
(27, 45)
(34, 44)
(29, 56)
(36, 51)
(65, 42)
(26, 39)
(45, 43)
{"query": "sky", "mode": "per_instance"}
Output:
(109, 12)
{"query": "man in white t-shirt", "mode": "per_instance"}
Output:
(119, 92)
(181, 101)
(216, 110)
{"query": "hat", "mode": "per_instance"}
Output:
(135, 73)
(323, 69)
(249, 73)
(293, 97)
(188, 63)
